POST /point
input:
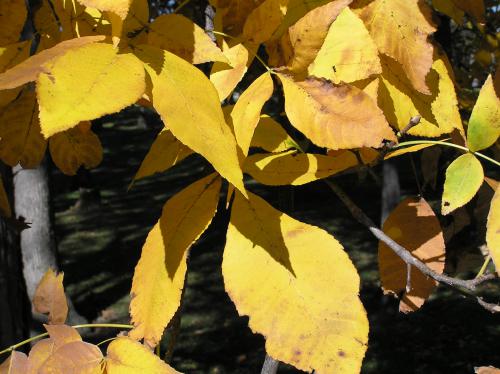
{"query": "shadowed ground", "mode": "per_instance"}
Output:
(100, 247)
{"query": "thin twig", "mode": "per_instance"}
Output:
(408, 278)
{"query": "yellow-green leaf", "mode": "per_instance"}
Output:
(160, 274)
(402, 151)
(348, 53)
(493, 229)
(413, 225)
(270, 136)
(21, 140)
(464, 176)
(165, 152)
(334, 116)
(87, 83)
(49, 297)
(5, 209)
(181, 36)
(12, 18)
(400, 29)
(76, 147)
(126, 356)
(28, 71)
(297, 285)
(484, 123)
(291, 168)
(16, 363)
(246, 112)
(189, 105)
(119, 7)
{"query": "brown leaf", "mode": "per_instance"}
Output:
(17, 363)
(50, 298)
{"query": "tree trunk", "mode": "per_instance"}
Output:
(391, 192)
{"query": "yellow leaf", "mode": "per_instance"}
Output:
(456, 8)
(348, 53)
(182, 37)
(246, 112)
(270, 136)
(189, 105)
(133, 27)
(291, 168)
(126, 356)
(76, 147)
(39, 354)
(28, 71)
(402, 151)
(119, 7)
(464, 176)
(160, 274)
(62, 334)
(439, 110)
(400, 29)
(21, 140)
(165, 152)
(16, 363)
(334, 116)
(12, 18)
(264, 20)
(297, 285)
(74, 357)
(309, 33)
(50, 299)
(493, 229)
(85, 84)
(413, 225)
(225, 80)
(484, 123)
(235, 13)
(5, 209)
(10, 56)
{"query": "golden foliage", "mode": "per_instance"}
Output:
(49, 297)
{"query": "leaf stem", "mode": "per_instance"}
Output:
(439, 142)
(181, 5)
(88, 325)
(485, 265)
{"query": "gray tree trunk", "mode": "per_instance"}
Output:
(391, 192)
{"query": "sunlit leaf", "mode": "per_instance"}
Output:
(126, 356)
(348, 53)
(413, 225)
(134, 26)
(297, 285)
(119, 7)
(183, 95)
(21, 140)
(334, 116)
(484, 123)
(160, 274)
(400, 29)
(181, 36)
(291, 168)
(29, 70)
(50, 299)
(76, 147)
(486, 370)
(39, 354)
(12, 18)
(493, 229)
(270, 136)
(66, 101)
(246, 112)
(402, 151)
(165, 152)
(62, 334)
(16, 363)
(464, 176)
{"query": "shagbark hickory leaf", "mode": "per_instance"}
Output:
(413, 225)
(87, 83)
(400, 29)
(134, 24)
(246, 112)
(29, 70)
(270, 136)
(224, 78)
(457, 8)
(264, 20)
(304, 302)
(189, 105)
(5, 209)
(50, 299)
(126, 356)
(484, 123)
(119, 7)
(291, 168)
(75, 357)
(348, 53)
(16, 363)
(159, 276)
(181, 36)
(21, 140)
(334, 116)
(235, 13)
(62, 334)
(10, 56)
(402, 151)
(439, 110)
(464, 176)
(13, 15)
(39, 354)
(493, 229)
(165, 152)
(76, 147)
